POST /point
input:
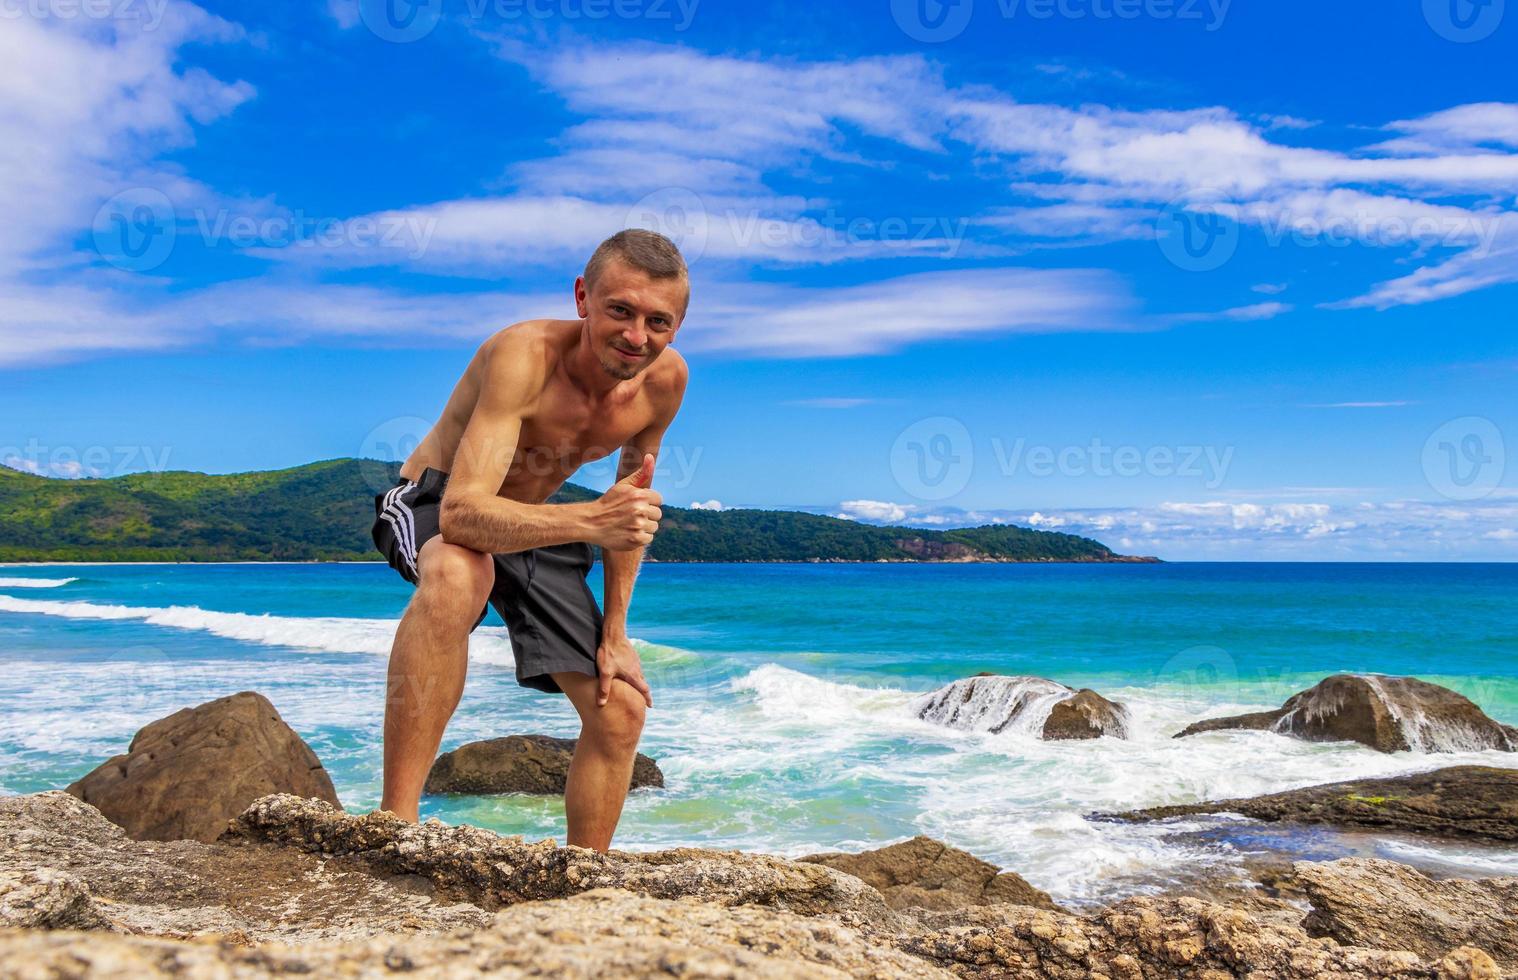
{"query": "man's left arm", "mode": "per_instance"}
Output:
(616, 657)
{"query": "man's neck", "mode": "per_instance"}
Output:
(585, 369)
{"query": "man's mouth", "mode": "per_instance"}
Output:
(628, 355)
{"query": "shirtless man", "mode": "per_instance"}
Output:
(540, 399)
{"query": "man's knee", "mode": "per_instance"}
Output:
(455, 577)
(618, 724)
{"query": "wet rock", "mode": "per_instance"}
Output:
(925, 873)
(1389, 714)
(1087, 715)
(996, 702)
(519, 764)
(183, 777)
(95, 876)
(1459, 801)
(1385, 905)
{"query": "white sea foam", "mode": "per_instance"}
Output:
(34, 583)
(331, 634)
(1009, 796)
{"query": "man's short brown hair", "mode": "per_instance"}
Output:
(647, 251)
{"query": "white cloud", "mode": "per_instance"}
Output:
(707, 505)
(893, 313)
(874, 511)
(1238, 314)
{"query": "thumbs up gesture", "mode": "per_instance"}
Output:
(628, 514)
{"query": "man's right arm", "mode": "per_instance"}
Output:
(475, 516)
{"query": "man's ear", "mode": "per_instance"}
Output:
(582, 298)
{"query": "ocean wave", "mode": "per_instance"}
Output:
(34, 583)
(327, 634)
(1011, 797)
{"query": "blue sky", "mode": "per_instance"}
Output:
(1203, 280)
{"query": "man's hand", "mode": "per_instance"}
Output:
(629, 512)
(616, 658)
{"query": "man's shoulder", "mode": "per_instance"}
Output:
(528, 344)
(528, 335)
(521, 357)
(670, 371)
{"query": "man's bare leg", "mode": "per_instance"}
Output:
(601, 770)
(428, 663)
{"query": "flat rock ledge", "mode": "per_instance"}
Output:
(1479, 802)
(479, 903)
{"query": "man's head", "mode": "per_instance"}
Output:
(632, 296)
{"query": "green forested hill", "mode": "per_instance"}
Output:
(322, 512)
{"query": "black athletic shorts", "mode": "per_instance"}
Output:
(542, 594)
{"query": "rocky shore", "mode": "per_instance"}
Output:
(296, 886)
(214, 846)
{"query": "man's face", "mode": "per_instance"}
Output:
(631, 316)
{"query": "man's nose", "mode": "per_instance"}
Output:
(635, 335)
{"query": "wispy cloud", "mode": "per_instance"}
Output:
(1258, 529)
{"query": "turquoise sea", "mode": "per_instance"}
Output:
(781, 712)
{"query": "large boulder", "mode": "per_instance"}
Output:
(1382, 904)
(185, 776)
(1479, 802)
(519, 764)
(1035, 706)
(1389, 714)
(925, 873)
